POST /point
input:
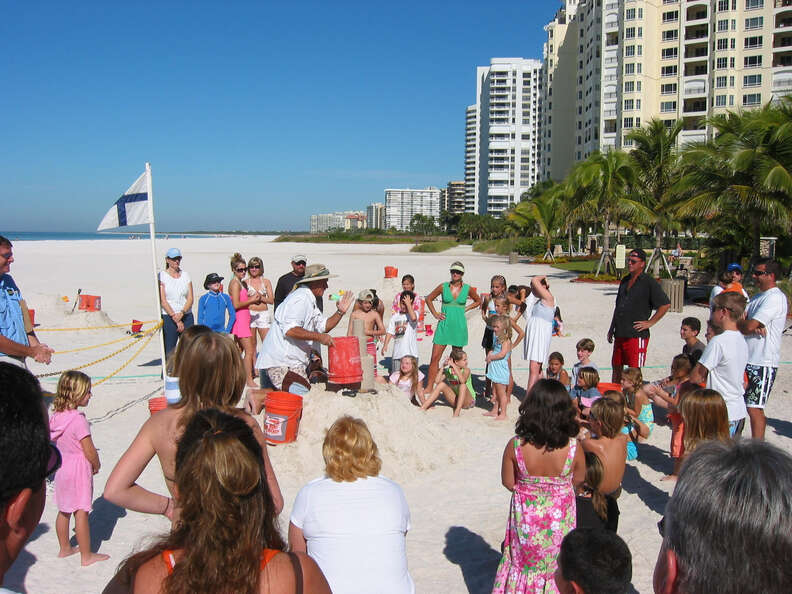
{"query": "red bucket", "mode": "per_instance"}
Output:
(605, 386)
(282, 414)
(344, 366)
(157, 404)
(137, 326)
(391, 272)
(90, 303)
(32, 313)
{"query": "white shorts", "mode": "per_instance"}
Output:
(260, 319)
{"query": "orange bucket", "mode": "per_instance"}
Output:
(157, 404)
(137, 326)
(282, 414)
(32, 313)
(605, 386)
(90, 303)
(344, 365)
(391, 272)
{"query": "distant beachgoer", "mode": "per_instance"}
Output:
(17, 338)
(456, 386)
(214, 304)
(71, 433)
(540, 328)
(242, 300)
(542, 465)
(227, 538)
(452, 325)
(176, 299)
(260, 313)
(353, 522)
(211, 375)
(287, 281)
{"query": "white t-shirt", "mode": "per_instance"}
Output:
(405, 385)
(356, 533)
(176, 290)
(769, 308)
(297, 310)
(405, 338)
(716, 290)
(725, 357)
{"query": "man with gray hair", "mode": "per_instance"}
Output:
(728, 525)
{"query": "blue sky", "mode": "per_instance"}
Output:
(253, 115)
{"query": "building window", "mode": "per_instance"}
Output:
(671, 35)
(753, 4)
(720, 82)
(637, 104)
(640, 32)
(629, 51)
(629, 105)
(723, 5)
(720, 100)
(629, 68)
(629, 86)
(668, 89)
(666, 106)
(752, 80)
(629, 33)
(671, 16)
(629, 14)
(754, 23)
(723, 25)
(752, 61)
(753, 42)
(629, 122)
(640, 50)
(669, 53)
(720, 63)
(722, 44)
(638, 86)
(733, 43)
(640, 13)
(672, 70)
(752, 99)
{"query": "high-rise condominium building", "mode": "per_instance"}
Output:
(402, 205)
(348, 219)
(501, 133)
(454, 198)
(375, 215)
(669, 59)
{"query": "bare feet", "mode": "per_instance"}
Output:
(68, 552)
(93, 558)
(500, 418)
(669, 477)
(491, 413)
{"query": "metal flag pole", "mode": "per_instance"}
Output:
(152, 234)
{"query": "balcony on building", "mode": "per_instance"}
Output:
(780, 5)
(694, 106)
(696, 32)
(783, 19)
(694, 129)
(782, 58)
(782, 81)
(695, 87)
(696, 51)
(696, 68)
(782, 41)
(696, 13)
(609, 126)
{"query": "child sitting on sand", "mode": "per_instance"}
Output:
(633, 427)
(402, 330)
(455, 386)
(372, 322)
(408, 378)
(555, 369)
(586, 392)
(71, 433)
(636, 396)
(498, 364)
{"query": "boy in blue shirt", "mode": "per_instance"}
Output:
(213, 305)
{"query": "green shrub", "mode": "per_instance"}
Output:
(432, 247)
(530, 246)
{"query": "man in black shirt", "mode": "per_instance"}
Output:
(287, 281)
(638, 295)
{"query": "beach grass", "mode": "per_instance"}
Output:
(433, 247)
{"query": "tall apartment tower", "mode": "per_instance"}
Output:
(666, 59)
(375, 215)
(402, 205)
(471, 157)
(455, 198)
(507, 115)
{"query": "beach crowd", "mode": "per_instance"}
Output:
(727, 527)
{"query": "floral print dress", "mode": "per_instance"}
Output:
(542, 512)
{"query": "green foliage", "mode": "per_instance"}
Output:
(530, 246)
(423, 224)
(501, 247)
(432, 247)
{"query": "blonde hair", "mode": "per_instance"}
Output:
(236, 259)
(211, 375)
(457, 353)
(732, 302)
(256, 260)
(413, 374)
(634, 375)
(72, 387)
(705, 416)
(610, 415)
(506, 329)
(619, 399)
(175, 357)
(590, 377)
(349, 451)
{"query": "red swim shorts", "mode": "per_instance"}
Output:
(629, 351)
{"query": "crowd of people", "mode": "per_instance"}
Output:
(564, 465)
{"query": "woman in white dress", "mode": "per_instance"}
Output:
(539, 329)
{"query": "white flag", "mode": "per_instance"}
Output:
(131, 209)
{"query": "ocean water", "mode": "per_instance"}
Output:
(68, 236)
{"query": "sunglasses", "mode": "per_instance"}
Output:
(178, 258)
(254, 267)
(456, 272)
(240, 269)
(760, 272)
(300, 263)
(634, 260)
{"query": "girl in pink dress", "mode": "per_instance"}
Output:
(541, 465)
(71, 433)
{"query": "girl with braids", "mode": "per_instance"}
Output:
(226, 539)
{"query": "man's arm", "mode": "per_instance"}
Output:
(749, 327)
(40, 352)
(646, 324)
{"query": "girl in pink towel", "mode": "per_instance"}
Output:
(70, 431)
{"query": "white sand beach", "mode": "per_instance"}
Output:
(449, 468)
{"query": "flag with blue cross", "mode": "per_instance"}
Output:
(131, 209)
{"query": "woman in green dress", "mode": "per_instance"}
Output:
(452, 324)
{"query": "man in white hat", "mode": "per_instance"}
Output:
(297, 324)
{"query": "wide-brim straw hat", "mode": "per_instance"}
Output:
(315, 272)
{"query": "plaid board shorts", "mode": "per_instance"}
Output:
(760, 382)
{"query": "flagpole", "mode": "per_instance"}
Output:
(152, 234)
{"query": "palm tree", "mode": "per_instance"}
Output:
(605, 182)
(655, 158)
(743, 176)
(543, 210)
